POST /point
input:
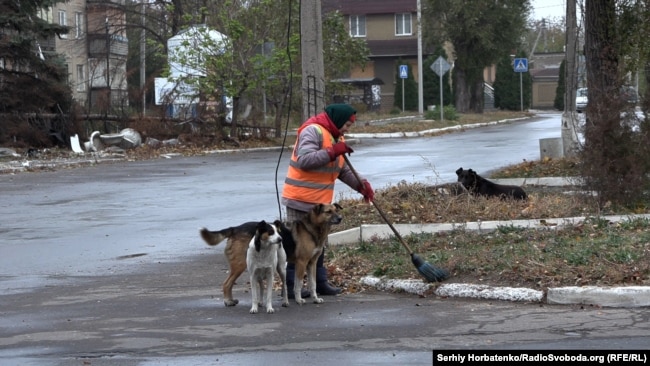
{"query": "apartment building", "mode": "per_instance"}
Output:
(95, 50)
(390, 30)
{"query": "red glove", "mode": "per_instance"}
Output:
(366, 190)
(339, 149)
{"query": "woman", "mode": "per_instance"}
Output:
(316, 164)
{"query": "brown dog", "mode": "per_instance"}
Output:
(302, 241)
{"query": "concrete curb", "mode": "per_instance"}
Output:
(429, 132)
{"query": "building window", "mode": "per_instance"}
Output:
(45, 14)
(63, 21)
(403, 24)
(78, 24)
(357, 25)
(81, 78)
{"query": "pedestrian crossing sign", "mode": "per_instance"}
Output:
(403, 71)
(521, 65)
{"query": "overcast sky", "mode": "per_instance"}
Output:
(548, 8)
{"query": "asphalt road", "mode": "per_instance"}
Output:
(103, 265)
(172, 313)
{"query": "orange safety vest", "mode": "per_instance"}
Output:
(315, 185)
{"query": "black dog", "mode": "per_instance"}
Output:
(477, 185)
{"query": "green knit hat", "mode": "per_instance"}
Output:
(340, 114)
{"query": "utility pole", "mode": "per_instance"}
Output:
(420, 68)
(143, 56)
(569, 118)
(311, 48)
(108, 76)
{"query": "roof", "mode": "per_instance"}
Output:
(360, 82)
(552, 73)
(369, 6)
(393, 47)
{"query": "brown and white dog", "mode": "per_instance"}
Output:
(265, 255)
(302, 240)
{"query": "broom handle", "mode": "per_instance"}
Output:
(381, 212)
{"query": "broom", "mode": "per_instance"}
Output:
(429, 272)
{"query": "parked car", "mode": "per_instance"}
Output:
(630, 95)
(627, 92)
(581, 100)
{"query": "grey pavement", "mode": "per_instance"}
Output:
(626, 296)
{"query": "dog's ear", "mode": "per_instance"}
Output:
(338, 207)
(319, 208)
(261, 230)
(278, 225)
(460, 170)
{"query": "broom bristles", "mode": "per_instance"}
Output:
(430, 273)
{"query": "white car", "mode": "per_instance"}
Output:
(581, 99)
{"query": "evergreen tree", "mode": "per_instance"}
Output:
(410, 89)
(481, 31)
(507, 88)
(31, 80)
(558, 103)
(431, 80)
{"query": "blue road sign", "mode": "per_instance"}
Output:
(521, 65)
(403, 71)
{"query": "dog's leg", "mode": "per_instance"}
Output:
(311, 280)
(229, 283)
(281, 267)
(297, 284)
(269, 290)
(255, 293)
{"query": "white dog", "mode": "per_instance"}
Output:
(265, 255)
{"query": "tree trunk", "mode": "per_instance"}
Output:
(602, 62)
(461, 92)
(477, 102)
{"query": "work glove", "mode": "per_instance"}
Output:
(366, 190)
(338, 149)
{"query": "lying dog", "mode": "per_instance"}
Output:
(265, 255)
(477, 185)
(302, 241)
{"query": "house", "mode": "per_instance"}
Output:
(390, 30)
(545, 74)
(95, 49)
(177, 92)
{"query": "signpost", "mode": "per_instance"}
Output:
(521, 66)
(440, 66)
(403, 74)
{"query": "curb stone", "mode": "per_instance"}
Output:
(624, 297)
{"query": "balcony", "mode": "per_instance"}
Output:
(106, 2)
(119, 46)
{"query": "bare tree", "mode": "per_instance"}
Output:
(615, 159)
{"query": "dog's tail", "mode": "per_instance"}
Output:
(214, 237)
